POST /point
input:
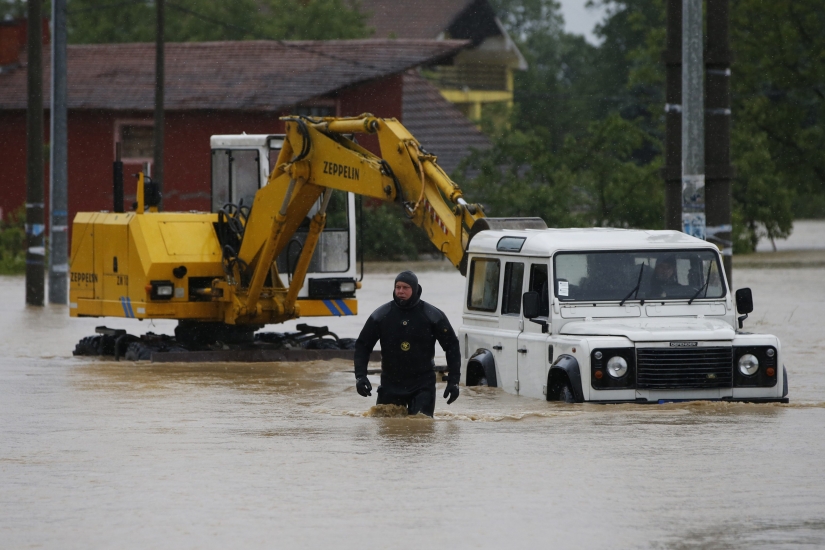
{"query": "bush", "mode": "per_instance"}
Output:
(13, 243)
(386, 235)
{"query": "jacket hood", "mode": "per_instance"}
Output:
(408, 304)
(653, 330)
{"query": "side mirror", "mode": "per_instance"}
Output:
(744, 303)
(530, 304)
(744, 300)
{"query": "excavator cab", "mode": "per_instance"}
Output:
(241, 164)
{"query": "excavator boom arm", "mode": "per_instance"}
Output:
(318, 156)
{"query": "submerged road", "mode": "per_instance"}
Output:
(98, 454)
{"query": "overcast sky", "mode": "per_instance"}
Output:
(580, 20)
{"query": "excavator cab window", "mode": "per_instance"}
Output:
(235, 176)
(332, 254)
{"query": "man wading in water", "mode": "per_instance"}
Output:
(408, 328)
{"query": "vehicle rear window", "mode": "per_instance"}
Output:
(484, 279)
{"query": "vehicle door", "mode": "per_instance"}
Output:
(533, 351)
(482, 322)
(511, 324)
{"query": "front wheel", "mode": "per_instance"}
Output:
(566, 393)
(561, 391)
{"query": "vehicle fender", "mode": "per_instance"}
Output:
(484, 359)
(568, 365)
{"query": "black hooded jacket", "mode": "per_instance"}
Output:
(408, 335)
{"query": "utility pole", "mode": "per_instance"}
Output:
(159, 85)
(672, 171)
(58, 179)
(693, 120)
(718, 170)
(35, 249)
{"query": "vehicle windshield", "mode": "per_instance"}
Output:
(637, 275)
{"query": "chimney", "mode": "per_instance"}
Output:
(13, 41)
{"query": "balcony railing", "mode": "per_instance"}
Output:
(472, 77)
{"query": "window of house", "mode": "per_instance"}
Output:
(513, 281)
(137, 141)
(484, 278)
(315, 110)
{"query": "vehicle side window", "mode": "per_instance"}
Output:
(540, 284)
(484, 278)
(513, 282)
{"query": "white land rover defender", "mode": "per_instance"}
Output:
(611, 315)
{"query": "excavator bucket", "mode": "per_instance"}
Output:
(483, 224)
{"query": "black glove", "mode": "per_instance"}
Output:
(452, 391)
(363, 386)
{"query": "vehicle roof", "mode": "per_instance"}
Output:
(545, 242)
(243, 140)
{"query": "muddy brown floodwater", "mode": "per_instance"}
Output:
(99, 454)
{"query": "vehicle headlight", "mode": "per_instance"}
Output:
(348, 287)
(616, 367)
(160, 290)
(748, 364)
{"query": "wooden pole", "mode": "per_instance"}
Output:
(35, 227)
(157, 169)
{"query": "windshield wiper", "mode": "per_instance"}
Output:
(704, 286)
(636, 288)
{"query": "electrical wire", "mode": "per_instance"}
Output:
(250, 32)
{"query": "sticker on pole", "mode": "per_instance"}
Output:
(693, 223)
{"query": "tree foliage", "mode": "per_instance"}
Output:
(579, 150)
(574, 98)
(13, 243)
(593, 180)
(779, 91)
(110, 21)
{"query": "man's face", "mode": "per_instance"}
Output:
(403, 291)
(663, 271)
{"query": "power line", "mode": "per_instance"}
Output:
(279, 42)
(249, 32)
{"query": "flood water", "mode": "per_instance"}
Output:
(100, 454)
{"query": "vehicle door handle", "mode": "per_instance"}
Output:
(523, 350)
(497, 348)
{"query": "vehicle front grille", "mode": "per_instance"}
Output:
(665, 368)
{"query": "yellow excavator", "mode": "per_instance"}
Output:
(217, 273)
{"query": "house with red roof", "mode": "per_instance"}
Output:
(215, 88)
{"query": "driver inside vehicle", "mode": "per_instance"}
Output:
(664, 277)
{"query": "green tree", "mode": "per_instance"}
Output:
(93, 21)
(762, 205)
(559, 90)
(13, 243)
(619, 191)
(583, 147)
(593, 180)
(520, 176)
(779, 89)
(386, 237)
(776, 134)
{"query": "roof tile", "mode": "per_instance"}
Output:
(251, 75)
